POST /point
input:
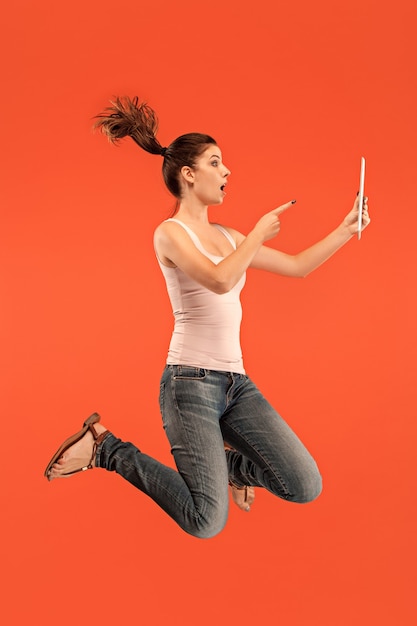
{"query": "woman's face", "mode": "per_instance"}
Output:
(210, 176)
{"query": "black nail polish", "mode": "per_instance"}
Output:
(293, 201)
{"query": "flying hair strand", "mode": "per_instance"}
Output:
(127, 117)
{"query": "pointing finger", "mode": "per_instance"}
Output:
(284, 207)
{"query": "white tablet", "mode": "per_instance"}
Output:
(361, 195)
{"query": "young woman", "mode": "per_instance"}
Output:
(206, 398)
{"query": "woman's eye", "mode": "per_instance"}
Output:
(215, 163)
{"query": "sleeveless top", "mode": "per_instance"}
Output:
(207, 325)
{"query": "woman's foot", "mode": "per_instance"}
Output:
(79, 456)
(243, 497)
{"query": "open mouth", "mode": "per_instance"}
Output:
(223, 187)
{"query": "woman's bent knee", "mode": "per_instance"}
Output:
(205, 530)
(309, 487)
(207, 522)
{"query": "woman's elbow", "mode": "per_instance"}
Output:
(221, 288)
(222, 284)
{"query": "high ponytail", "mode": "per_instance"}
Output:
(129, 118)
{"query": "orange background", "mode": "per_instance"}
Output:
(294, 93)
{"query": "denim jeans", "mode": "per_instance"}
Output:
(200, 410)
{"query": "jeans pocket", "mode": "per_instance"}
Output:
(188, 372)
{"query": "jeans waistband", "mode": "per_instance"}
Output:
(179, 369)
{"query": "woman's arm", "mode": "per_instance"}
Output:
(301, 264)
(175, 248)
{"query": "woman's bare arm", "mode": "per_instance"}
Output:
(301, 264)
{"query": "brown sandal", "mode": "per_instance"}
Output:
(88, 425)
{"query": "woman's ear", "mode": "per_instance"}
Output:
(187, 174)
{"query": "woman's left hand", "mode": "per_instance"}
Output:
(351, 219)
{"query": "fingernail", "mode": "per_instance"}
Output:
(293, 201)
(357, 193)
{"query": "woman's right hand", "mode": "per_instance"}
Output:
(269, 225)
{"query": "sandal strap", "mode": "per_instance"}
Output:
(232, 484)
(98, 439)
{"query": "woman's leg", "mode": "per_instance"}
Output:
(268, 453)
(196, 497)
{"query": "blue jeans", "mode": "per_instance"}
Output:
(200, 410)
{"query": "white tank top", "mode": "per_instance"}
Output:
(207, 325)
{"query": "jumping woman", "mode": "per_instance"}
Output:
(206, 397)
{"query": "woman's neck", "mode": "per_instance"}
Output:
(193, 213)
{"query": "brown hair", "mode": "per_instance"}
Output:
(127, 117)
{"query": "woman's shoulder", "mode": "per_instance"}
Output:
(170, 234)
(170, 227)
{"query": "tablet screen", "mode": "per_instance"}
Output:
(361, 193)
